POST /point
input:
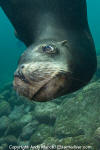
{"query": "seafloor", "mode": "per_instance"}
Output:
(72, 121)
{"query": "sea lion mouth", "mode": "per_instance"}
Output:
(54, 88)
(21, 76)
(42, 90)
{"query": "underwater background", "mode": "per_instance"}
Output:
(72, 120)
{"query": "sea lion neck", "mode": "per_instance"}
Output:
(49, 27)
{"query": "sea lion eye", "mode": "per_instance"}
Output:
(48, 49)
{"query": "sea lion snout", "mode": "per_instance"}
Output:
(19, 74)
(40, 83)
(41, 75)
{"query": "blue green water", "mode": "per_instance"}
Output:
(11, 48)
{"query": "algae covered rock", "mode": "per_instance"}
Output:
(15, 100)
(4, 146)
(51, 141)
(55, 141)
(6, 91)
(76, 121)
(17, 112)
(96, 138)
(23, 143)
(79, 116)
(46, 112)
(4, 123)
(5, 108)
(42, 133)
(1, 97)
(1, 147)
(10, 140)
(28, 130)
(25, 119)
(97, 133)
(82, 141)
(15, 128)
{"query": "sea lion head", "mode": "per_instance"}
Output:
(43, 71)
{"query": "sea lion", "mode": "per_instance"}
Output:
(61, 56)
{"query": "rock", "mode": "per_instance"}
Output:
(1, 97)
(4, 108)
(15, 100)
(97, 133)
(42, 133)
(51, 141)
(76, 121)
(54, 141)
(66, 141)
(11, 140)
(29, 105)
(81, 140)
(46, 112)
(27, 109)
(4, 146)
(96, 138)
(23, 143)
(6, 91)
(28, 130)
(1, 147)
(17, 112)
(1, 140)
(15, 128)
(25, 119)
(4, 123)
(79, 115)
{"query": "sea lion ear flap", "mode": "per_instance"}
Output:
(64, 43)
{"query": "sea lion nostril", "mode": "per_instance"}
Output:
(21, 76)
(16, 74)
(22, 66)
